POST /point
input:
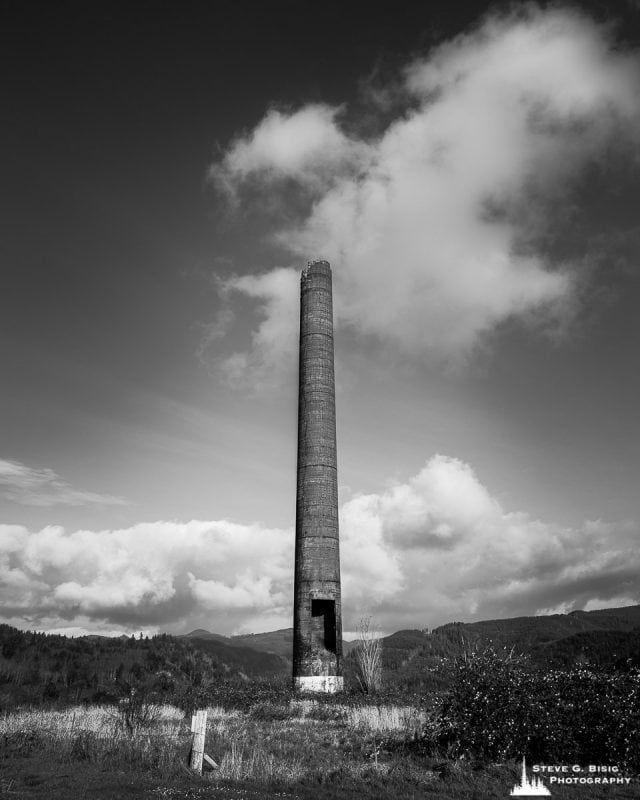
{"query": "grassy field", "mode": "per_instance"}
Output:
(291, 749)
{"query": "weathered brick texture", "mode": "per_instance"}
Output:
(317, 646)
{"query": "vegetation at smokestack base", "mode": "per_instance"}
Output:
(462, 745)
(108, 718)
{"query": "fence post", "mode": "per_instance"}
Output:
(198, 727)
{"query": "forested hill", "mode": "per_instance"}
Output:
(597, 636)
(279, 642)
(607, 637)
(39, 667)
(527, 633)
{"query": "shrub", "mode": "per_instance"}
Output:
(368, 655)
(500, 708)
(136, 712)
(233, 693)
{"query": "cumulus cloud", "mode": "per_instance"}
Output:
(273, 342)
(438, 228)
(441, 547)
(43, 487)
(307, 145)
(432, 549)
(217, 574)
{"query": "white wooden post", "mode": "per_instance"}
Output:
(198, 727)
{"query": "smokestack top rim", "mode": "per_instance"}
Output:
(319, 265)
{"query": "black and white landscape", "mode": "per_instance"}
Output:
(471, 172)
(473, 178)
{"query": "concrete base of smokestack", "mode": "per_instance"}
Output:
(326, 684)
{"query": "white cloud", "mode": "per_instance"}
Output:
(435, 227)
(221, 574)
(432, 549)
(43, 487)
(274, 341)
(306, 145)
(443, 549)
(248, 592)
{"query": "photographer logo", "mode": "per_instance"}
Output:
(566, 775)
(529, 788)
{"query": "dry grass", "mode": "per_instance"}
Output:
(406, 720)
(246, 760)
(97, 735)
(326, 747)
(221, 720)
(368, 655)
(386, 719)
(103, 721)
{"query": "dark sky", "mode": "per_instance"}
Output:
(115, 246)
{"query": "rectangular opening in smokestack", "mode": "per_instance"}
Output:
(323, 620)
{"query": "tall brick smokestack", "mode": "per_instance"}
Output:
(317, 618)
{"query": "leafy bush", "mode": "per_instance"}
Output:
(500, 708)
